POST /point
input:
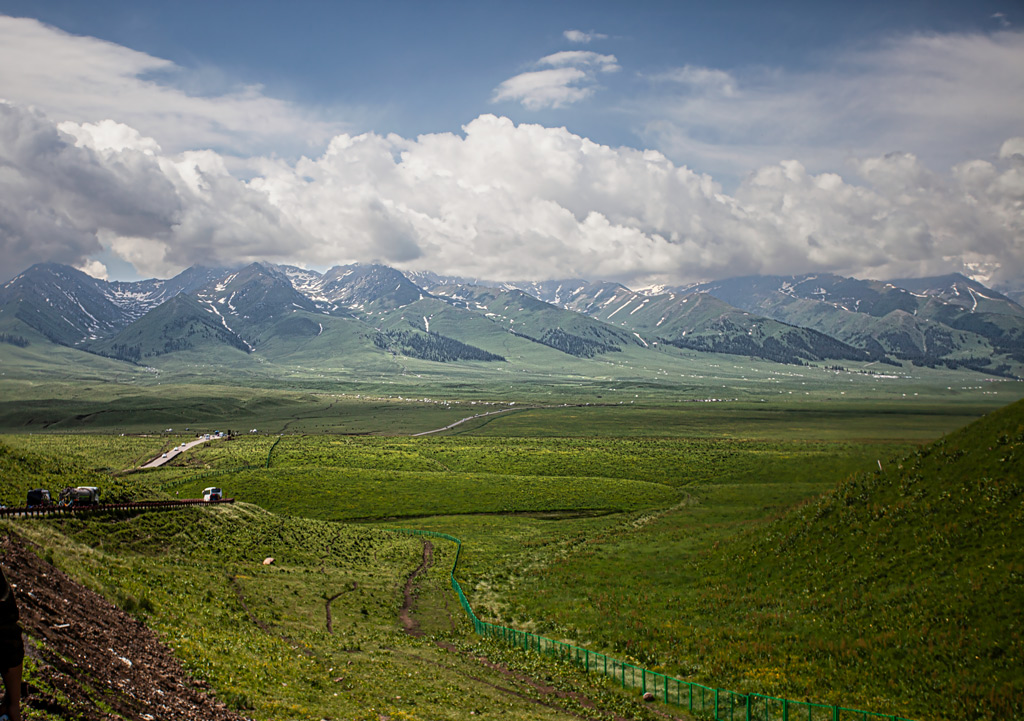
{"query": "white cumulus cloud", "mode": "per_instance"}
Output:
(570, 76)
(499, 200)
(553, 88)
(581, 58)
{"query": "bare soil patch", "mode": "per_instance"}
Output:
(410, 624)
(89, 654)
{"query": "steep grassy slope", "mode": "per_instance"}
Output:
(901, 591)
(914, 573)
(541, 322)
(180, 324)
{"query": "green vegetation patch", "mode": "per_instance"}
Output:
(898, 592)
(257, 632)
(339, 494)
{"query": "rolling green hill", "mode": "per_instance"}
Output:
(899, 591)
(920, 564)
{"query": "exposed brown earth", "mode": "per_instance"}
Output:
(411, 625)
(90, 655)
(94, 662)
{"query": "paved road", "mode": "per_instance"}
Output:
(162, 459)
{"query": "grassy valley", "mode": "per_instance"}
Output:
(700, 540)
(820, 530)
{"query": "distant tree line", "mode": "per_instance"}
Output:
(574, 345)
(122, 351)
(17, 340)
(981, 365)
(791, 348)
(431, 346)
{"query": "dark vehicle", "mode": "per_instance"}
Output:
(80, 496)
(38, 497)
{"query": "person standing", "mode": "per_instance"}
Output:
(12, 652)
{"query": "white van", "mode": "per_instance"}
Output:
(212, 494)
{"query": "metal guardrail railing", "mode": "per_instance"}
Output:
(55, 509)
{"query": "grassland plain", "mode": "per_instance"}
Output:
(901, 591)
(619, 543)
(58, 392)
(258, 634)
(713, 489)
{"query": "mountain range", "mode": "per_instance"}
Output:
(279, 312)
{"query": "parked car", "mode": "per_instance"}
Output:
(212, 494)
(38, 497)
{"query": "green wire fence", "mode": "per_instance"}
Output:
(719, 703)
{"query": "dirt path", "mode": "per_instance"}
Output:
(263, 626)
(470, 418)
(330, 600)
(411, 625)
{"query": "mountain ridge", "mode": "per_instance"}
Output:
(947, 320)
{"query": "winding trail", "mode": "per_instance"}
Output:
(411, 625)
(469, 418)
(505, 410)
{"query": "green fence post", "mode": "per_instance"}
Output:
(643, 679)
(622, 667)
(691, 696)
(835, 713)
(747, 701)
(664, 683)
(605, 663)
(716, 704)
(785, 709)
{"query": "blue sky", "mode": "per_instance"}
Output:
(425, 67)
(652, 142)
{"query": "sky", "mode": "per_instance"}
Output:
(650, 143)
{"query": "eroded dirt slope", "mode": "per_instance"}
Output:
(93, 661)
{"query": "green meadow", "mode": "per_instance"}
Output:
(837, 540)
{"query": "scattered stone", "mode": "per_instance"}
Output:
(267, 561)
(648, 697)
